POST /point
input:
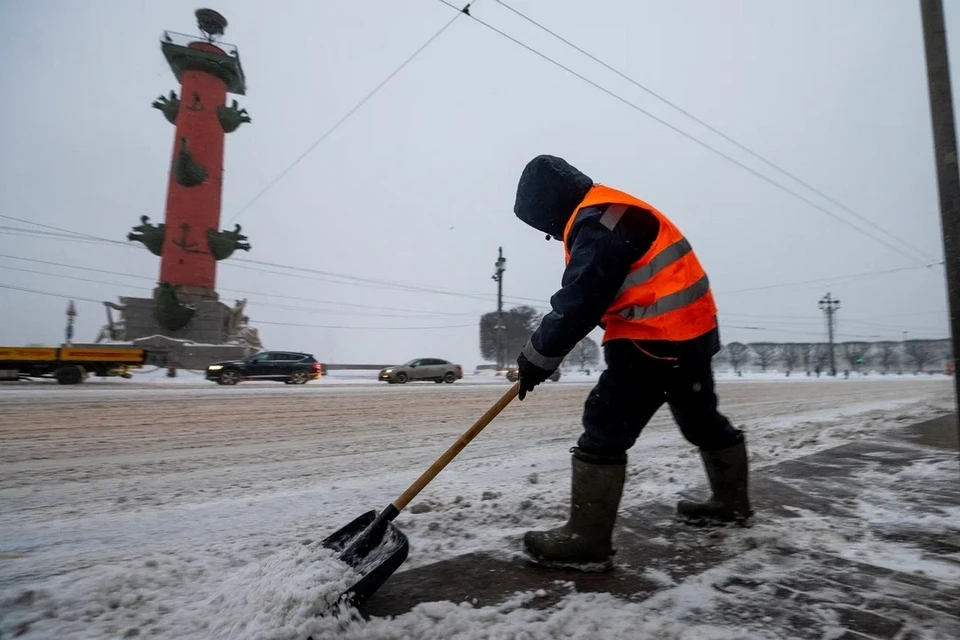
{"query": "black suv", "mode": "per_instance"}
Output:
(283, 366)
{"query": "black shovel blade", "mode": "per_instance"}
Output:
(375, 563)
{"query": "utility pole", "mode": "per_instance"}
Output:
(945, 150)
(829, 305)
(71, 314)
(500, 267)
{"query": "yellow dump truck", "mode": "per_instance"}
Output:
(69, 364)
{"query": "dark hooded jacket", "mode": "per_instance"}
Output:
(600, 259)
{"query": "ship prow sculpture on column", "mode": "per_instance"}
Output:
(185, 321)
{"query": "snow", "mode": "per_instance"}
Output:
(183, 509)
(588, 615)
(187, 378)
(174, 594)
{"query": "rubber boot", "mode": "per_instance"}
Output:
(727, 471)
(585, 542)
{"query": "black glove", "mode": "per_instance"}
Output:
(530, 375)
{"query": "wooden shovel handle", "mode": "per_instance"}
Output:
(456, 448)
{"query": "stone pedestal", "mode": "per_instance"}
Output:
(182, 354)
(204, 340)
(208, 325)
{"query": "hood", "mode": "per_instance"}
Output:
(227, 363)
(549, 191)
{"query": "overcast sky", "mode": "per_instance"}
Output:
(425, 173)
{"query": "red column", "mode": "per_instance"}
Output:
(186, 259)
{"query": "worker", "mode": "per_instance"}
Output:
(631, 271)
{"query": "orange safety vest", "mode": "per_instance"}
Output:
(666, 295)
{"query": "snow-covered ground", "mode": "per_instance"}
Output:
(151, 377)
(175, 508)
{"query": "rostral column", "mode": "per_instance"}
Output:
(189, 241)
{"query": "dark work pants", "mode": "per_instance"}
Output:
(636, 384)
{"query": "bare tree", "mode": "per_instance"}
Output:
(519, 323)
(739, 354)
(821, 356)
(722, 357)
(807, 353)
(920, 352)
(886, 355)
(792, 354)
(854, 352)
(944, 346)
(766, 353)
(942, 352)
(585, 354)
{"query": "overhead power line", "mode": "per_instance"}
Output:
(258, 302)
(316, 143)
(40, 233)
(304, 273)
(333, 277)
(58, 236)
(800, 323)
(891, 327)
(782, 322)
(382, 328)
(822, 334)
(942, 312)
(68, 277)
(690, 137)
(381, 282)
(854, 276)
(349, 280)
(256, 293)
(47, 226)
(73, 266)
(739, 145)
(254, 321)
(48, 293)
(806, 333)
(297, 271)
(786, 320)
(788, 324)
(379, 309)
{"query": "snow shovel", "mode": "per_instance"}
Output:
(371, 544)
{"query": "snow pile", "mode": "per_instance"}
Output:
(185, 596)
(277, 597)
(672, 615)
(878, 509)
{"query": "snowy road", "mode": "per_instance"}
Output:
(168, 509)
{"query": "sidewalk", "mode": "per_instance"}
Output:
(859, 541)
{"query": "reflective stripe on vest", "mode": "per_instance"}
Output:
(669, 303)
(666, 295)
(660, 262)
(612, 215)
